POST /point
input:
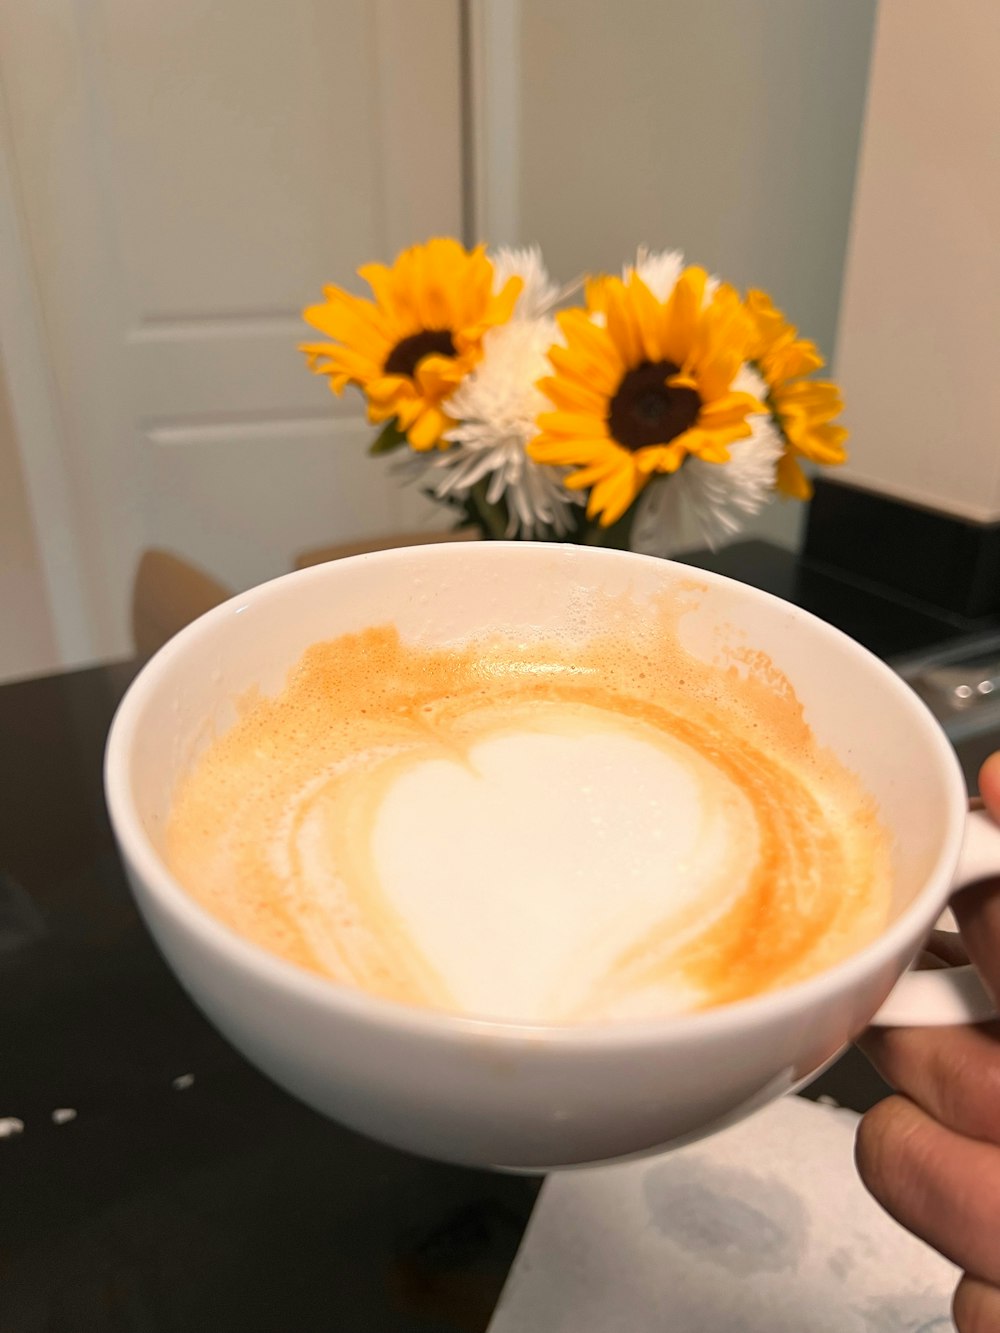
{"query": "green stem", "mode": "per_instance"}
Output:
(617, 537)
(488, 516)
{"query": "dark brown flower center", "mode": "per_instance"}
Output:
(407, 354)
(646, 411)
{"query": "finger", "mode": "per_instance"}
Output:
(977, 908)
(977, 911)
(989, 784)
(952, 1073)
(939, 1185)
(976, 1308)
(948, 947)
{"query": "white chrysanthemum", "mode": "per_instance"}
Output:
(538, 292)
(658, 270)
(706, 503)
(496, 410)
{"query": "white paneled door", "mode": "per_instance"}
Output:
(181, 177)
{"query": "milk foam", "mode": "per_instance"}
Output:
(534, 832)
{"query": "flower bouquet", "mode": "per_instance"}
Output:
(661, 401)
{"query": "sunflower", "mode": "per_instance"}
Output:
(803, 408)
(413, 345)
(641, 384)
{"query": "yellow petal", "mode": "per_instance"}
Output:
(647, 310)
(605, 466)
(475, 293)
(427, 429)
(388, 388)
(437, 376)
(769, 322)
(407, 411)
(623, 329)
(791, 480)
(379, 279)
(576, 482)
(327, 315)
(681, 315)
(720, 344)
(582, 425)
(573, 396)
(502, 305)
(828, 444)
(602, 373)
(600, 453)
(662, 457)
(566, 452)
(611, 497)
(799, 357)
(729, 409)
(582, 335)
(329, 359)
(822, 444)
(819, 398)
(710, 446)
(717, 368)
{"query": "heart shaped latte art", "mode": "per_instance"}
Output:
(513, 875)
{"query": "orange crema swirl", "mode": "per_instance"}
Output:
(274, 828)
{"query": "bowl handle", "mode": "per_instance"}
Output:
(952, 994)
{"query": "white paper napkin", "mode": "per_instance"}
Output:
(764, 1228)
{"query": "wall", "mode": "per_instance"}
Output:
(27, 642)
(920, 331)
(727, 128)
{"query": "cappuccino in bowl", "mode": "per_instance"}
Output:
(535, 830)
(531, 856)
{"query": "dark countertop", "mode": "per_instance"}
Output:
(224, 1205)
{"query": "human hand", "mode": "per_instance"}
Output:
(931, 1153)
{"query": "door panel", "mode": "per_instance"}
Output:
(189, 175)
